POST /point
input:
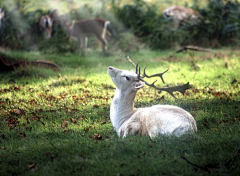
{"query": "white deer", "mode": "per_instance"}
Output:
(45, 26)
(82, 29)
(151, 121)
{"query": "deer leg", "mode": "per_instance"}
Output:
(70, 43)
(130, 129)
(85, 43)
(80, 45)
(104, 43)
(176, 23)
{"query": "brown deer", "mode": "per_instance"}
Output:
(181, 14)
(45, 26)
(151, 121)
(82, 29)
(59, 21)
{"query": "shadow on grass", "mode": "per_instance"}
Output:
(70, 152)
(39, 144)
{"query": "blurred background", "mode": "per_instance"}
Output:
(136, 23)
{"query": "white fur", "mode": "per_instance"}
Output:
(151, 121)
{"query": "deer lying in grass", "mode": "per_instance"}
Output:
(151, 121)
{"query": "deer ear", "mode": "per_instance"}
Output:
(139, 85)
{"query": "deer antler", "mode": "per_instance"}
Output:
(158, 74)
(180, 88)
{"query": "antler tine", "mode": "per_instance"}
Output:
(137, 68)
(154, 75)
(138, 71)
(144, 72)
(148, 84)
(180, 88)
(130, 60)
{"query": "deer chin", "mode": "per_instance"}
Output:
(111, 74)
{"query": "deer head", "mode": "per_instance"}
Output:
(45, 26)
(125, 80)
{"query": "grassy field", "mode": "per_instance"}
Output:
(57, 123)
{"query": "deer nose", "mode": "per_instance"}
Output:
(110, 68)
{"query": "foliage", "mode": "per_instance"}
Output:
(20, 31)
(220, 25)
(58, 123)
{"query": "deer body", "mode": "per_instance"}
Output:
(151, 121)
(82, 29)
(45, 26)
(181, 14)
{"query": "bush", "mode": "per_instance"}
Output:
(19, 31)
(220, 26)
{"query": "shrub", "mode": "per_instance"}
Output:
(219, 27)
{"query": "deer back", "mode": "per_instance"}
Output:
(181, 13)
(159, 120)
(89, 26)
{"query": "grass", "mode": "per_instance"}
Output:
(57, 123)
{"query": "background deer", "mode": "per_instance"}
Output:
(181, 14)
(2, 14)
(59, 21)
(81, 29)
(151, 121)
(45, 26)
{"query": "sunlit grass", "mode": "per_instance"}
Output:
(57, 123)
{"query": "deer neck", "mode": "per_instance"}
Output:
(122, 107)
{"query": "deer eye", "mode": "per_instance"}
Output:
(127, 78)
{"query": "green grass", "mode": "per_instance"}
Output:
(35, 104)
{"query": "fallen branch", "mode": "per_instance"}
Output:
(194, 48)
(5, 67)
